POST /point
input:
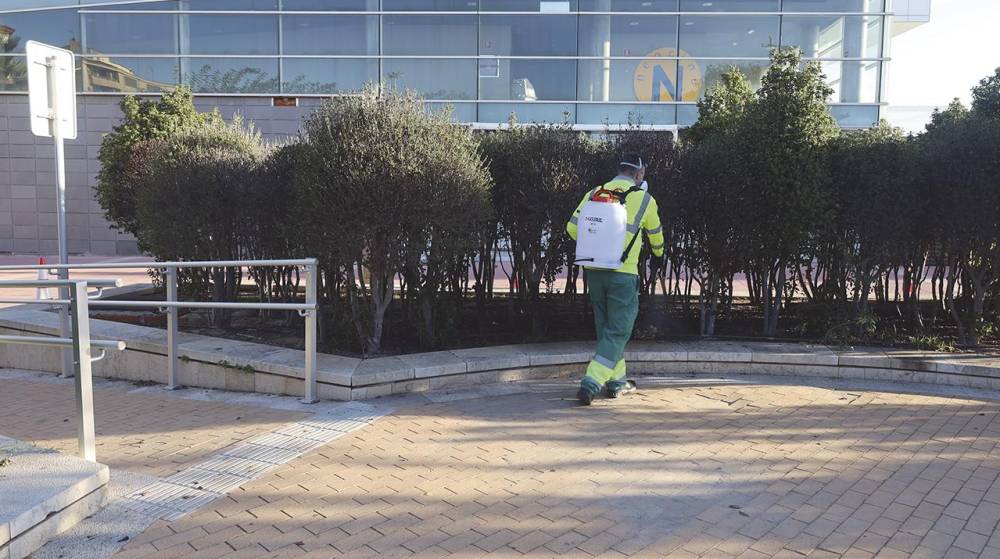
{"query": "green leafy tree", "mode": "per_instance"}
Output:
(142, 120)
(784, 169)
(708, 200)
(384, 185)
(986, 96)
(722, 110)
(13, 71)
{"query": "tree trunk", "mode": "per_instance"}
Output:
(381, 297)
(949, 297)
(779, 293)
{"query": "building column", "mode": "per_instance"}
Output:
(184, 39)
(595, 83)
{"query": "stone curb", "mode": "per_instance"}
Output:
(243, 366)
(45, 493)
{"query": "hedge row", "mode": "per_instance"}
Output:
(406, 208)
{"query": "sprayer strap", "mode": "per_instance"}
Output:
(634, 227)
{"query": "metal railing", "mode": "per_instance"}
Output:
(82, 351)
(170, 306)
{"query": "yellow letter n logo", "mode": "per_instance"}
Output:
(666, 76)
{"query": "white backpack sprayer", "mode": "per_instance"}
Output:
(602, 226)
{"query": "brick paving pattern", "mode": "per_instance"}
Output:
(140, 433)
(678, 470)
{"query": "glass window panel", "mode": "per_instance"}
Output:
(626, 35)
(852, 81)
(855, 116)
(60, 28)
(430, 5)
(460, 112)
(166, 5)
(636, 80)
(333, 5)
(430, 35)
(131, 34)
(527, 112)
(324, 75)
(842, 6)
(129, 75)
(687, 115)
(22, 4)
(550, 6)
(531, 80)
(528, 35)
(231, 34)
(230, 75)
(13, 73)
(345, 34)
(873, 40)
(440, 79)
(628, 5)
(729, 6)
(588, 113)
(711, 72)
(229, 5)
(728, 36)
(833, 36)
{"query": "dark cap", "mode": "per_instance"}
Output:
(633, 160)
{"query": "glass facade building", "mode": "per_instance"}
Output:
(590, 62)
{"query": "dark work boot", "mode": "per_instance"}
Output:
(588, 390)
(616, 388)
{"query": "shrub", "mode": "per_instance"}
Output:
(540, 173)
(708, 199)
(142, 120)
(385, 187)
(960, 165)
(196, 197)
(875, 218)
(781, 142)
(273, 231)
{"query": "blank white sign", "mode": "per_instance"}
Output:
(40, 56)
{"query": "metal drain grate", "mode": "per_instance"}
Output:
(232, 465)
(191, 489)
(307, 432)
(205, 480)
(285, 442)
(262, 453)
(170, 501)
(334, 424)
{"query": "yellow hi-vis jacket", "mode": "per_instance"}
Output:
(642, 215)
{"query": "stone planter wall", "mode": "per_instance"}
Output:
(226, 364)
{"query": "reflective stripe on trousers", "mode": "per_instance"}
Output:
(615, 298)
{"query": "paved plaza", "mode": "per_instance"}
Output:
(687, 467)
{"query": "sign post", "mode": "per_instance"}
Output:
(52, 107)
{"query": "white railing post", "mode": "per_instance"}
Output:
(312, 279)
(80, 319)
(64, 327)
(170, 279)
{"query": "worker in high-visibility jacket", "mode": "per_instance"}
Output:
(615, 293)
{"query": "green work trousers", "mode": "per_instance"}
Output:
(615, 297)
